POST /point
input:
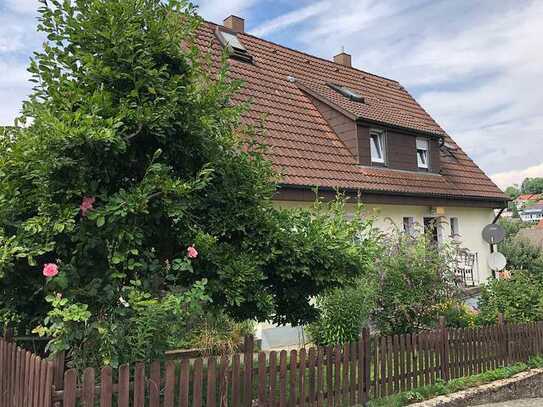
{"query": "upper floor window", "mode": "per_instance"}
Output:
(377, 146)
(422, 153)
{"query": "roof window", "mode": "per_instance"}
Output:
(348, 93)
(230, 40)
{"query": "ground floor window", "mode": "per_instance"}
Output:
(431, 229)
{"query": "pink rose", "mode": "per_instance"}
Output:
(50, 270)
(192, 253)
(86, 205)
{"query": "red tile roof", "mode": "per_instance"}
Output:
(527, 197)
(303, 147)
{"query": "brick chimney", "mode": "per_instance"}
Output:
(343, 59)
(235, 23)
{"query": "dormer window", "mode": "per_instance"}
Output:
(377, 146)
(347, 92)
(229, 40)
(422, 153)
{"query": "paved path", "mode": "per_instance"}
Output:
(517, 403)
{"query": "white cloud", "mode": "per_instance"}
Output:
(475, 67)
(23, 6)
(291, 18)
(505, 179)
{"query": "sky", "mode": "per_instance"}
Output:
(475, 65)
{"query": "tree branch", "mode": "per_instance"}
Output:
(132, 135)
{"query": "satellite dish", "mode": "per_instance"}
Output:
(497, 261)
(493, 233)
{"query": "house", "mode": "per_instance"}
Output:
(333, 126)
(533, 213)
(526, 199)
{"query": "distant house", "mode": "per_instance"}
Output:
(526, 200)
(533, 213)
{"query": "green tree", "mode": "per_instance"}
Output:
(532, 185)
(134, 181)
(512, 191)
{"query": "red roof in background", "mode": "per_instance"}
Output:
(528, 197)
(540, 224)
(303, 147)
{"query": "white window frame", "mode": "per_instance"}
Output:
(378, 135)
(423, 146)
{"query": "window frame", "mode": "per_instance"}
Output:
(380, 134)
(454, 223)
(421, 165)
(409, 223)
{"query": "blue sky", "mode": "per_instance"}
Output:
(476, 66)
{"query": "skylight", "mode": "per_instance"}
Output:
(348, 93)
(230, 40)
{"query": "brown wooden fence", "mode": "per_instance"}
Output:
(344, 375)
(25, 379)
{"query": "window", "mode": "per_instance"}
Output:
(455, 231)
(347, 92)
(377, 146)
(422, 153)
(409, 225)
(231, 41)
(431, 230)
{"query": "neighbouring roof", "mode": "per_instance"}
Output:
(306, 151)
(528, 197)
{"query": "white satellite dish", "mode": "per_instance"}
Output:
(497, 261)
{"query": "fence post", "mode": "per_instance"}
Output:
(8, 335)
(444, 332)
(506, 348)
(58, 373)
(248, 370)
(365, 373)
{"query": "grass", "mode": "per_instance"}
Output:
(441, 388)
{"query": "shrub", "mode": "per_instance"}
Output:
(414, 277)
(138, 328)
(218, 334)
(343, 312)
(521, 254)
(519, 299)
(457, 314)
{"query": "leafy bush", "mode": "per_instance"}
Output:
(218, 334)
(415, 276)
(519, 299)
(457, 314)
(138, 328)
(521, 254)
(343, 313)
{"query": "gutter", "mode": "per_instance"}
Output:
(358, 192)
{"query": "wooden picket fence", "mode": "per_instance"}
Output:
(346, 375)
(25, 379)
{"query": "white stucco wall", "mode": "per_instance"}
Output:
(471, 222)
